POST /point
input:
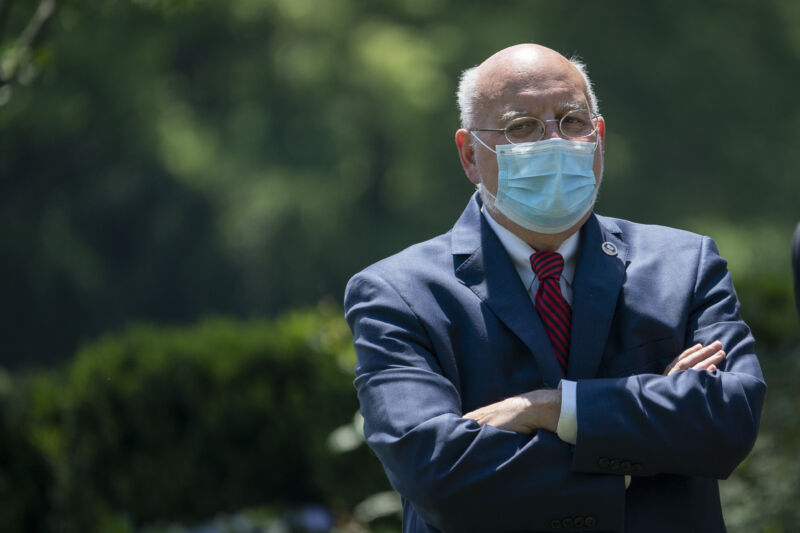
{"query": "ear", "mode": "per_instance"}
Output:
(601, 131)
(466, 153)
(600, 156)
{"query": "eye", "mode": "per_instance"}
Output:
(577, 123)
(524, 129)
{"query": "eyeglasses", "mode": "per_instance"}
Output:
(576, 124)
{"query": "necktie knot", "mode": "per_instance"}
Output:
(547, 265)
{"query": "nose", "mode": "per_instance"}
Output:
(551, 129)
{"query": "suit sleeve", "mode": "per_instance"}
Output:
(693, 423)
(458, 476)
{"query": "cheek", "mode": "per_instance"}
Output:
(487, 166)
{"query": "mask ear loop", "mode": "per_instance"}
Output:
(483, 143)
(597, 140)
(602, 157)
(482, 190)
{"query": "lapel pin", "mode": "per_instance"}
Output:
(609, 248)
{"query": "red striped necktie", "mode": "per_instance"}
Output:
(553, 309)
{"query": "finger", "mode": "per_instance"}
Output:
(711, 368)
(474, 415)
(673, 365)
(699, 348)
(692, 356)
(689, 351)
(712, 360)
(699, 355)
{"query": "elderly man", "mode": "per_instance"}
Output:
(540, 367)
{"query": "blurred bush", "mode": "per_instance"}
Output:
(763, 492)
(25, 475)
(154, 427)
(181, 424)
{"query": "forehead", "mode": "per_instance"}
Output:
(540, 88)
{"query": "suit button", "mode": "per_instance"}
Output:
(636, 468)
(555, 524)
(590, 521)
(579, 521)
(614, 464)
(625, 466)
(603, 462)
(567, 523)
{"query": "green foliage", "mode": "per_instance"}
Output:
(24, 473)
(762, 494)
(172, 425)
(156, 424)
(166, 160)
(179, 158)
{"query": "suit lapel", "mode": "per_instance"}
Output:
(595, 290)
(483, 265)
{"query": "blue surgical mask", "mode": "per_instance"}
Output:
(545, 186)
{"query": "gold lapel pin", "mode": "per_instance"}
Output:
(609, 248)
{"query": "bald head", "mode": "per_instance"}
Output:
(519, 68)
(524, 60)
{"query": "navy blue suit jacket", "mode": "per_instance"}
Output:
(446, 326)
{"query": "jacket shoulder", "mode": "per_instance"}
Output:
(650, 235)
(413, 265)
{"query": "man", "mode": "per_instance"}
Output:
(540, 367)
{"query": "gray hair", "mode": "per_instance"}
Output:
(469, 98)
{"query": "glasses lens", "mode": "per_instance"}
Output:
(577, 124)
(524, 129)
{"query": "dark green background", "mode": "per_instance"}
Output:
(167, 160)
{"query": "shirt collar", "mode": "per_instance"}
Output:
(520, 252)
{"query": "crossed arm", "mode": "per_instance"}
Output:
(541, 408)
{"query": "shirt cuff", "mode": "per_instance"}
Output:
(567, 428)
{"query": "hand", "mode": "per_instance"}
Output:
(697, 357)
(538, 409)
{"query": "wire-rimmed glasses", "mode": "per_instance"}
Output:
(574, 125)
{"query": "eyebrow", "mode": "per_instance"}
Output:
(522, 112)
